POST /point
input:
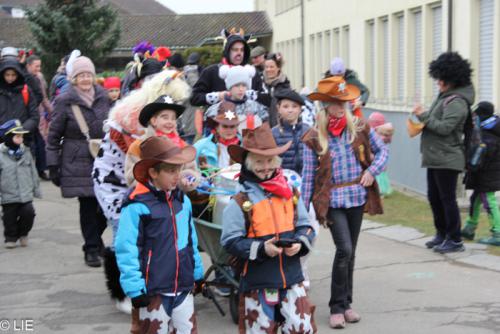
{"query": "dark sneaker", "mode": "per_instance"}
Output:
(469, 232)
(449, 246)
(92, 259)
(436, 241)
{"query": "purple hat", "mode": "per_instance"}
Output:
(337, 66)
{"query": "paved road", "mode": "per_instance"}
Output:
(399, 288)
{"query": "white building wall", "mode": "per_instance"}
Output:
(326, 37)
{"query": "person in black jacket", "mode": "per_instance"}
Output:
(210, 88)
(486, 180)
(16, 98)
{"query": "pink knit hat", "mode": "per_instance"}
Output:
(82, 64)
(376, 119)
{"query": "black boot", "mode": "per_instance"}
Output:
(92, 259)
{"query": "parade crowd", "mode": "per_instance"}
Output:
(171, 145)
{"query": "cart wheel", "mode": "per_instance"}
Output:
(234, 303)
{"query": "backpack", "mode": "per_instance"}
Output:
(26, 95)
(475, 148)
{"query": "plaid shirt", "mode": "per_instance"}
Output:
(345, 168)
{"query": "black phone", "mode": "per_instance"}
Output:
(285, 242)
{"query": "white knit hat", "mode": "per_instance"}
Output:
(233, 75)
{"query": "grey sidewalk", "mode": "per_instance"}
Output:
(400, 287)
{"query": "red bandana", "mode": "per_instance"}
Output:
(278, 185)
(173, 136)
(122, 140)
(336, 125)
(227, 142)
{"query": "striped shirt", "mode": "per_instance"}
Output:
(345, 169)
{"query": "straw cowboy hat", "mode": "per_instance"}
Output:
(155, 150)
(259, 141)
(333, 89)
(226, 115)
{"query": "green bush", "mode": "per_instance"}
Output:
(209, 54)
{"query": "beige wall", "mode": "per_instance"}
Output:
(323, 17)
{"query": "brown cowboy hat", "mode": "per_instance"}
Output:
(160, 149)
(226, 114)
(333, 89)
(258, 141)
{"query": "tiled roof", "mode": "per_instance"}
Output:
(124, 7)
(170, 30)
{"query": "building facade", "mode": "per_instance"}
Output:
(389, 44)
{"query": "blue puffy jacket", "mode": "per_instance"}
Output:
(157, 251)
(283, 133)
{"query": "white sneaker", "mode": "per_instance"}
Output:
(124, 306)
(10, 244)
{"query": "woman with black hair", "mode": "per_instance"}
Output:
(442, 146)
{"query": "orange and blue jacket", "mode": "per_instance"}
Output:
(270, 216)
(156, 244)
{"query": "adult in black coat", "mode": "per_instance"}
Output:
(210, 88)
(14, 103)
(68, 156)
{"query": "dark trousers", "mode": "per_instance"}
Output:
(345, 225)
(441, 192)
(17, 220)
(40, 157)
(92, 223)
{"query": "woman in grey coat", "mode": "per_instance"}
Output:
(442, 146)
(68, 156)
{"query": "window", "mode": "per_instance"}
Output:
(336, 43)
(312, 61)
(485, 70)
(328, 49)
(401, 57)
(385, 55)
(371, 55)
(417, 84)
(319, 57)
(436, 38)
(346, 46)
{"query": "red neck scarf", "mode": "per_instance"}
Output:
(227, 142)
(122, 140)
(336, 125)
(173, 136)
(278, 185)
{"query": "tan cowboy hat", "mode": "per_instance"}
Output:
(226, 114)
(258, 141)
(160, 149)
(333, 89)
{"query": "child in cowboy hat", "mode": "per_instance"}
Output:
(266, 226)
(19, 183)
(342, 188)
(156, 244)
(160, 119)
(212, 151)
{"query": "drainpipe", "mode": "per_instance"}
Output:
(303, 78)
(450, 25)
